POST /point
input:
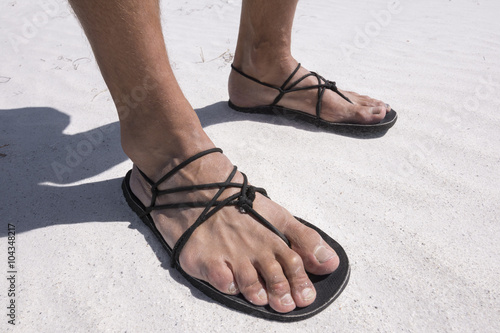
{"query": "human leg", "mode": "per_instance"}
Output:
(159, 129)
(264, 52)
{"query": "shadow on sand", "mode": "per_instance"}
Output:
(35, 151)
(41, 168)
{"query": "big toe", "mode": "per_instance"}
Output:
(318, 257)
(370, 115)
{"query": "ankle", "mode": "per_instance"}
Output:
(156, 162)
(265, 64)
(157, 150)
(271, 70)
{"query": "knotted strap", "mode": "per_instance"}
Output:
(287, 87)
(243, 200)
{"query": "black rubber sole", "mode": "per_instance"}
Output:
(328, 287)
(300, 116)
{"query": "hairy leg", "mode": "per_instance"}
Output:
(156, 120)
(159, 129)
(264, 52)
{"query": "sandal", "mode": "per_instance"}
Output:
(322, 86)
(328, 287)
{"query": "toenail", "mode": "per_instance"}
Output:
(307, 294)
(232, 288)
(286, 300)
(262, 295)
(323, 254)
(375, 110)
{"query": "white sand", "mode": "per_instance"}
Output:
(416, 210)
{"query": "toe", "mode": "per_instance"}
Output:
(379, 106)
(302, 289)
(278, 288)
(250, 284)
(367, 101)
(369, 115)
(317, 256)
(378, 112)
(215, 272)
(221, 277)
(376, 102)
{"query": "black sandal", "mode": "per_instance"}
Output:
(322, 86)
(328, 287)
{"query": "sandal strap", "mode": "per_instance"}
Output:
(243, 200)
(322, 86)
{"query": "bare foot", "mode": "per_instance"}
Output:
(244, 92)
(234, 252)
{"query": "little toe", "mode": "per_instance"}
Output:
(221, 277)
(217, 273)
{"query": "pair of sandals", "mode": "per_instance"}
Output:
(329, 286)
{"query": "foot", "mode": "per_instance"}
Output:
(232, 251)
(246, 93)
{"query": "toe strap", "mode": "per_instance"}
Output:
(243, 200)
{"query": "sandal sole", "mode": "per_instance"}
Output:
(301, 116)
(328, 287)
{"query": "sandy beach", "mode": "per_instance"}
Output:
(416, 208)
